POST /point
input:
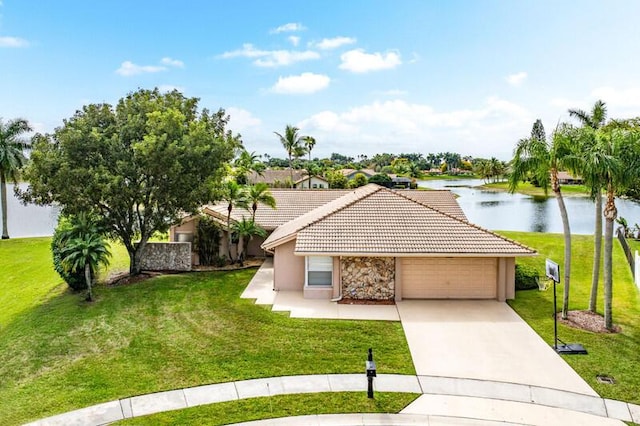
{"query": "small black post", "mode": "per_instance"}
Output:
(370, 367)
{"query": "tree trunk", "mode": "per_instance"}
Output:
(567, 242)
(597, 255)
(3, 200)
(291, 170)
(241, 250)
(229, 208)
(610, 214)
(135, 257)
(87, 277)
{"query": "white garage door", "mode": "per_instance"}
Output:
(449, 278)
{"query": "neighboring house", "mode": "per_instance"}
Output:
(281, 178)
(566, 178)
(401, 181)
(351, 173)
(377, 243)
(290, 204)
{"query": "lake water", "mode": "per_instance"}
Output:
(29, 220)
(498, 210)
(495, 210)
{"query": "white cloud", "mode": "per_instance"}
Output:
(172, 62)
(400, 126)
(303, 84)
(517, 79)
(13, 42)
(271, 58)
(295, 40)
(628, 97)
(359, 61)
(128, 68)
(287, 28)
(333, 43)
(240, 119)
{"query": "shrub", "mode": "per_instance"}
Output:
(381, 179)
(527, 277)
(207, 241)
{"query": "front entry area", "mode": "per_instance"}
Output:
(449, 278)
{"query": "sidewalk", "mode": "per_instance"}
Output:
(443, 397)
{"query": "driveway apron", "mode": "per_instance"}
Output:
(484, 340)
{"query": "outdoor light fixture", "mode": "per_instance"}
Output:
(552, 270)
(370, 366)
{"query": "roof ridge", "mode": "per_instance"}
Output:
(473, 225)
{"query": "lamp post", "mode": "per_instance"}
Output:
(370, 367)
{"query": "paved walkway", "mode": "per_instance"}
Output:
(442, 397)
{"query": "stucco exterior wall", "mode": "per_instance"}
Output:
(166, 257)
(288, 269)
(186, 229)
(368, 278)
(309, 183)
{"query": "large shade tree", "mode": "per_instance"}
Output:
(139, 165)
(12, 158)
(590, 168)
(540, 159)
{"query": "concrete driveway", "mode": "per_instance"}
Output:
(483, 340)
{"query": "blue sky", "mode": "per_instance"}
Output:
(362, 77)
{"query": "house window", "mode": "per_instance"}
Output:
(319, 270)
(320, 185)
(184, 237)
(315, 185)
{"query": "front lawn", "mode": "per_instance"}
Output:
(279, 406)
(615, 355)
(58, 353)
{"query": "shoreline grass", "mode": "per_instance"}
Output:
(527, 188)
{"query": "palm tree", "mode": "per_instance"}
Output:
(309, 143)
(246, 229)
(87, 253)
(260, 194)
(245, 163)
(542, 159)
(292, 143)
(11, 160)
(618, 147)
(235, 196)
(589, 170)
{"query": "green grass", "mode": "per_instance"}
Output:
(615, 355)
(528, 189)
(59, 353)
(279, 406)
(446, 177)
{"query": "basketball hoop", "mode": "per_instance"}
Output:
(543, 284)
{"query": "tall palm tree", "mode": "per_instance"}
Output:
(11, 160)
(260, 194)
(292, 143)
(235, 196)
(87, 253)
(542, 159)
(590, 171)
(618, 147)
(246, 229)
(309, 143)
(247, 162)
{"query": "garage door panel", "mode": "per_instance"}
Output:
(449, 278)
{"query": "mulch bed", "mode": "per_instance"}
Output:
(587, 320)
(347, 301)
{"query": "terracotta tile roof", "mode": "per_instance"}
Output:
(292, 203)
(270, 176)
(366, 172)
(376, 220)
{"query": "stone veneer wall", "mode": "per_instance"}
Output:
(167, 257)
(368, 278)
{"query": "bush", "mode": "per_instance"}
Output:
(527, 277)
(207, 241)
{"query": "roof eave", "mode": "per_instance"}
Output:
(383, 254)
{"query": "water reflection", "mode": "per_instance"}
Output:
(500, 210)
(29, 220)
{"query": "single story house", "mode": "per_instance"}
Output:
(381, 244)
(281, 178)
(566, 178)
(290, 204)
